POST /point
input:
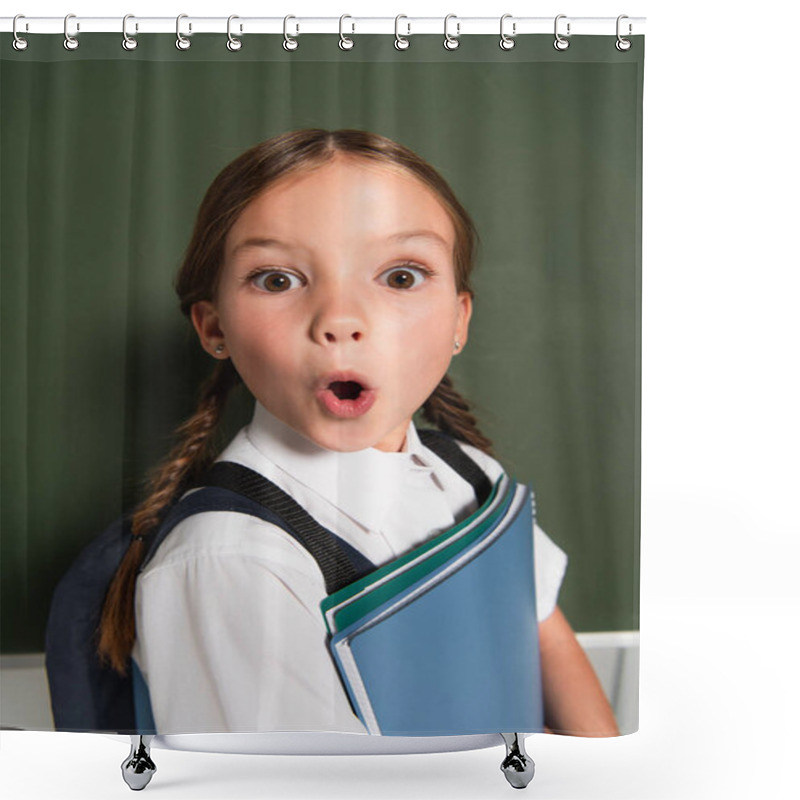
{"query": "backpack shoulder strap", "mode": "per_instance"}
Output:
(447, 449)
(227, 486)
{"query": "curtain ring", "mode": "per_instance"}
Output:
(345, 42)
(400, 42)
(623, 44)
(128, 42)
(182, 43)
(70, 42)
(234, 43)
(507, 42)
(561, 43)
(451, 42)
(19, 43)
(289, 43)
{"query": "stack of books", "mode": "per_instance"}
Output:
(444, 640)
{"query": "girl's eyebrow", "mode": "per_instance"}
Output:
(260, 242)
(431, 236)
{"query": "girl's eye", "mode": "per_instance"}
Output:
(276, 281)
(405, 277)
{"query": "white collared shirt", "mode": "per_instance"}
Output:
(230, 636)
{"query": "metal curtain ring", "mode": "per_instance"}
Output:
(234, 43)
(19, 43)
(128, 42)
(561, 43)
(70, 42)
(507, 42)
(623, 44)
(182, 43)
(289, 43)
(451, 42)
(345, 43)
(400, 42)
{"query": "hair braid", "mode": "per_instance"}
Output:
(450, 412)
(193, 451)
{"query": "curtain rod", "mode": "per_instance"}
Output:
(298, 25)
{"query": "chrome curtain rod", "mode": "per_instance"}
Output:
(403, 25)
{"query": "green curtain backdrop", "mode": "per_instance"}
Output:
(105, 157)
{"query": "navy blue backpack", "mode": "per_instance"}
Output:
(86, 695)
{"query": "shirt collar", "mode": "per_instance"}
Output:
(364, 484)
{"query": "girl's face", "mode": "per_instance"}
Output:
(337, 302)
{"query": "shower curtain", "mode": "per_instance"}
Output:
(106, 155)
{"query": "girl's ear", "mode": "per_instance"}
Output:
(464, 315)
(206, 322)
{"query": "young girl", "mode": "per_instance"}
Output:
(328, 272)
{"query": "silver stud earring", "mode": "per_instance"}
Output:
(219, 349)
(458, 346)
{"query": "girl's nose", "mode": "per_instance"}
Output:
(342, 331)
(339, 320)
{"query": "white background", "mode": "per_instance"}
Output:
(720, 531)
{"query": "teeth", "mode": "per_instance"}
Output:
(346, 390)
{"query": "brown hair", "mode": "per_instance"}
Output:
(237, 185)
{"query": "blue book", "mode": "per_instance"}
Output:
(349, 604)
(456, 652)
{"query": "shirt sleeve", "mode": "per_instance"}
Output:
(550, 561)
(550, 564)
(225, 644)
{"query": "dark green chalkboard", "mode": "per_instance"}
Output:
(105, 156)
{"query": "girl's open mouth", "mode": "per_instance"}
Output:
(346, 390)
(345, 396)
